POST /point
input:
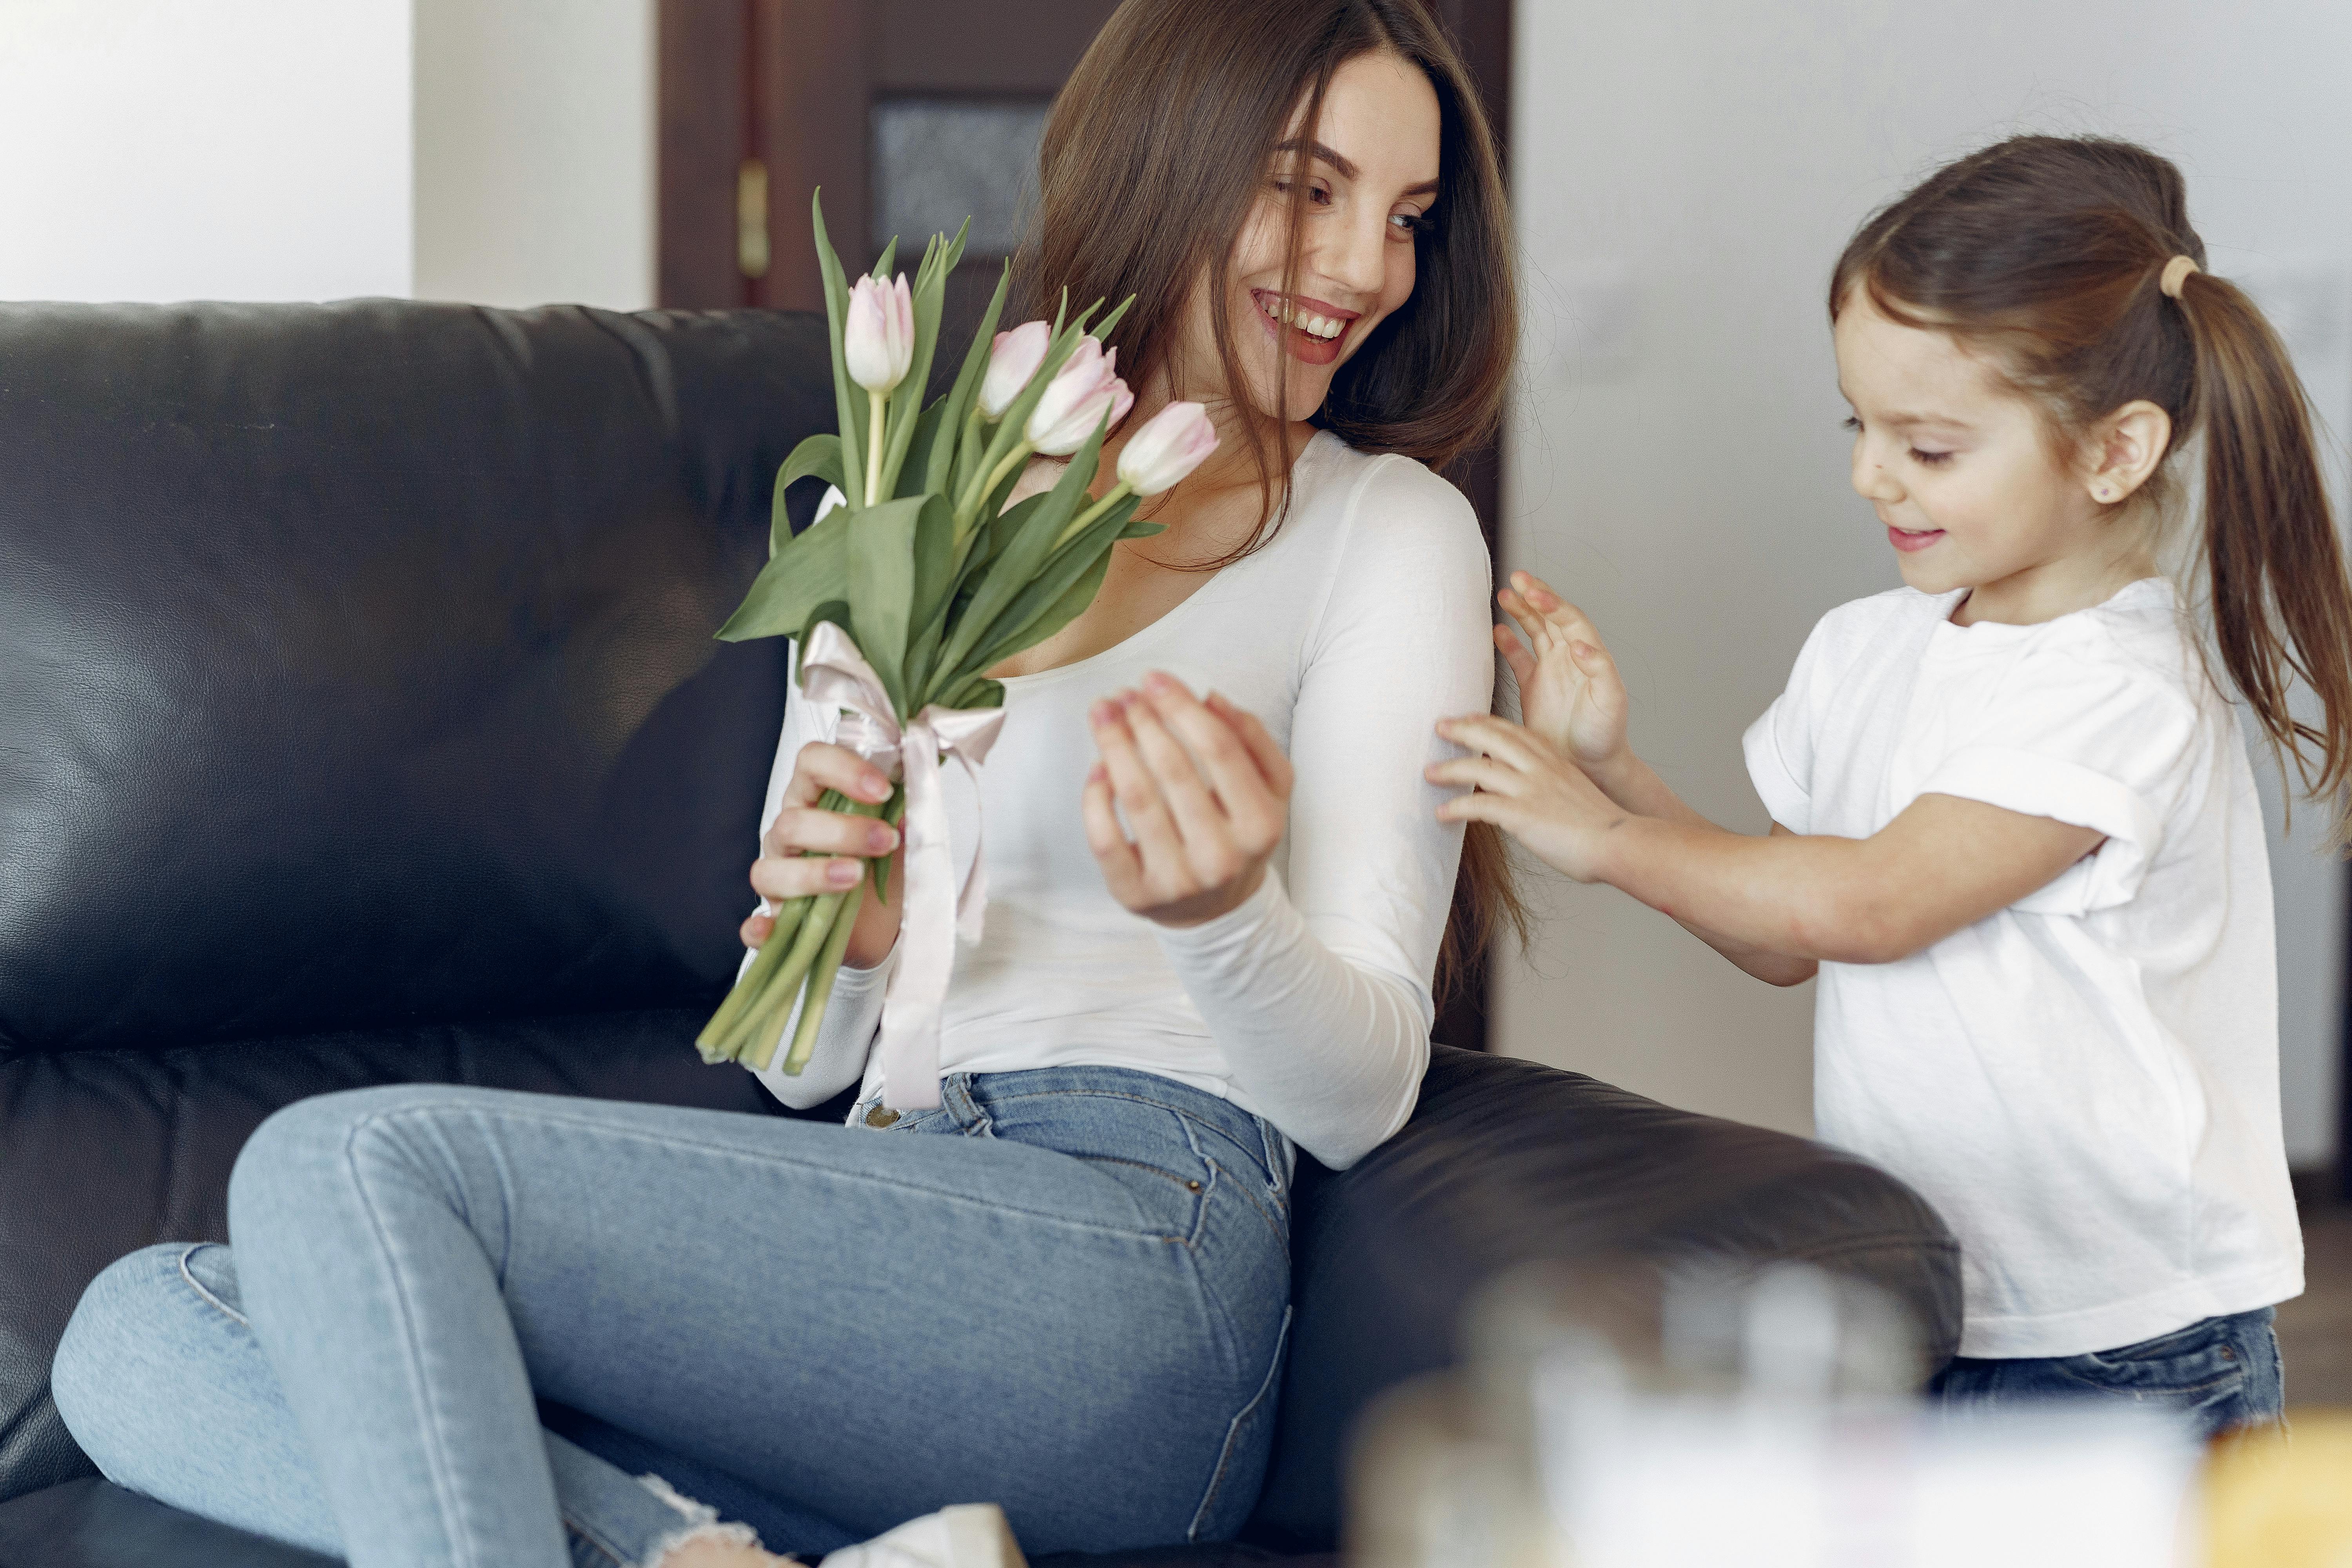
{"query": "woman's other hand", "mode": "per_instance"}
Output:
(1569, 691)
(1204, 790)
(1531, 790)
(809, 850)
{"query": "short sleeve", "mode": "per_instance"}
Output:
(2098, 743)
(1779, 744)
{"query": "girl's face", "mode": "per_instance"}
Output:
(1366, 183)
(1958, 466)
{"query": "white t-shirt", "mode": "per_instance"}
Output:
(2086, 1084)
(1361, 624)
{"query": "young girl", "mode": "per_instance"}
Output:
(2013, 826)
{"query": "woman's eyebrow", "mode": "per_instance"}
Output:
(1342, 165)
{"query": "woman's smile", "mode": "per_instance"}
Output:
(1318, 328)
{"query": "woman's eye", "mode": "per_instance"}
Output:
(1411, 223)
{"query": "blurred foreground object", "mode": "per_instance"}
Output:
(1635, 1418)
(2273, 1501)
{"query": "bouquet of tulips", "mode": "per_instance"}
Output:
(906, 595)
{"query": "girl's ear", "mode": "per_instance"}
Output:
(2125, 448)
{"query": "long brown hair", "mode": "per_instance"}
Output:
(1153, 157)
(2050, 253)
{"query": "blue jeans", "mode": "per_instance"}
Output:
(2216, 1374)
(1066, 1291)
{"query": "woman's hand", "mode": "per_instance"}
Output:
(807, 850)
(1531, 790)
(1569, 691)
(1205, 791)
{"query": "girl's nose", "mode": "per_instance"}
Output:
(1870, 479)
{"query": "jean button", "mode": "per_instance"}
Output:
(881, 1116)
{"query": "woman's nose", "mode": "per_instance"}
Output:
(1351, 254)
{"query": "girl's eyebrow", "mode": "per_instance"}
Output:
(1341, 165)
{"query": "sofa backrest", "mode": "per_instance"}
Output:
(356, 662)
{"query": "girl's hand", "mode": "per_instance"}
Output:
(1569, 691)
(1205, 790)
(806, 850)
(1531, 791)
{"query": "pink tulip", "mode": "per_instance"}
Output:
(1076, 400)
(1172, 444)
(878, 338)
(1011, 360)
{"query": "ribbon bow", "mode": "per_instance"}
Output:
(835, 674)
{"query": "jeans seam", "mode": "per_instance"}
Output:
(1267, 1384)
(580, 1529)
(437, 1442)
(197, 1285)
(940, 1194)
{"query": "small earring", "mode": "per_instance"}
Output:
(2105, 492)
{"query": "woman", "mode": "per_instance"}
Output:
(1065, 1290)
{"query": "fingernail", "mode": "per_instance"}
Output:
(1097, 773)
(1102, 712)
(1156, 681)
(882, 839)
(877, 787)
(842, 873)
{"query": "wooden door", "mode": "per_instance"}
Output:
(908, 114)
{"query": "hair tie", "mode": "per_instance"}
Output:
(2175, 273)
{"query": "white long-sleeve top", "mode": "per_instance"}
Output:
(1362, 623)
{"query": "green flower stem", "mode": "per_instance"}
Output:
(967, 457)
(819, 981)
(1080, 523)
(746, 992)
(875, 405)
(755, 1045)
(967, 512)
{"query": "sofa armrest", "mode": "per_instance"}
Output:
(1507, 1163)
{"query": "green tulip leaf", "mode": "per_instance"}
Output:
(818, 457)
(941, 472)
(834, 610)
(1141, 530)
(1064, 607)
(882, 587)
(811, 567)
(848, 411)
(919, 450)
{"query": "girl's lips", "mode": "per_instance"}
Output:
(1903, 539)
(1303, 346)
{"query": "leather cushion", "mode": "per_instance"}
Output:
(356, 662)
(1507, 1163)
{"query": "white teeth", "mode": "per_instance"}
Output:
(1292, 315)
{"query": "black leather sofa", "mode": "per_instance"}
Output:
(360, 721)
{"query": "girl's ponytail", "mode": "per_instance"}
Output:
(2060, 257)
(2281, 608)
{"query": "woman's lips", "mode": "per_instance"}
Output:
(1904, 539)
(1303, 346)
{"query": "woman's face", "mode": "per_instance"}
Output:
(1366, 179)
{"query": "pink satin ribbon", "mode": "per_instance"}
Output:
(935, 913)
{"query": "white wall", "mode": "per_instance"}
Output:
(497, 150)
(535, 152)
(1686, 173)
(167, 149)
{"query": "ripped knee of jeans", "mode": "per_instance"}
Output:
(698, 1522)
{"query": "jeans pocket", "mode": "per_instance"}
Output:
(2190, 1366)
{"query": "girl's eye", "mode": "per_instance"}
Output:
(1931, 459)
(1851, 423)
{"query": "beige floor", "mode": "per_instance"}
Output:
(2315, 1330)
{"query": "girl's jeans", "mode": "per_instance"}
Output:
(2216, 1374)
(1064, 1291)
